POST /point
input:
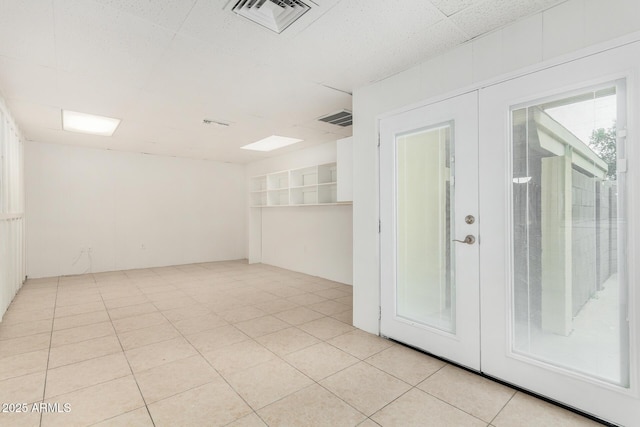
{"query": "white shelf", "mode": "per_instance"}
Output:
(278, 197)
(327, 173)
(327, 193)
(304, 177)
(309, 186)
(307, 195)
(278, 181)
(259, 183)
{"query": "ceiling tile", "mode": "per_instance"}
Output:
(285, 98)
(25, 81)
(42, 134)
(27, 31)
(191, 70)
(166, 13)
(28, 113)
(450, 7)
(225, 32)
(338, 48)
(427, 43)
(94, 96)
(104, 43)
(491, 14)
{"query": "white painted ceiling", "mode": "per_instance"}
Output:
(162, 66)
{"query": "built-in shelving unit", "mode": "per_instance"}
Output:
(313, 185)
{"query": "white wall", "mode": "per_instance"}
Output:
(549, 35)
(12, 259)
(132, 210)
(315, 240)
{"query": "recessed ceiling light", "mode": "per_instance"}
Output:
(272, 142)
(88, 123)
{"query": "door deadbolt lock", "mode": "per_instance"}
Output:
(469, 219)
(469, 240)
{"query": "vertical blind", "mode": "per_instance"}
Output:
(12, 247)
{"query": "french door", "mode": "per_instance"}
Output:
(510, 218)
(559, 206)
(429, 203)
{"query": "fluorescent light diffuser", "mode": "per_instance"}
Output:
(272, 142)
(88, 123)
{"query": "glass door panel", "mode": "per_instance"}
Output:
(425, 280)
(568, 267)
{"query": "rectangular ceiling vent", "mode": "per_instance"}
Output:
(342, 118)
(275, 15)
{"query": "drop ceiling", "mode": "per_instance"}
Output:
(163, 66)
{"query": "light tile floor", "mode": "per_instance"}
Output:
(232, 344)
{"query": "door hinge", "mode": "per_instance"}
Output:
(379, 226)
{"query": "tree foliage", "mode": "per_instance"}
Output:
(603, 142)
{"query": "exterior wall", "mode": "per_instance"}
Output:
(583, 239)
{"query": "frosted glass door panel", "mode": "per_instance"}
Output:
(569, 259)
(425, 282)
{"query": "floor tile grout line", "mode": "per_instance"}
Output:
(454, 406)
(212, 367)
(312, 379)
(116, 416)
(255, 411)
(389, 403)
(375, 367)
(343, 400)
(83, 360)
(281, 357)
(415, 387)
(130, 368)
(503, 406)
(46, 372)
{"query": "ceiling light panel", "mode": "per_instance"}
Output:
(74, 121)
(271, 143)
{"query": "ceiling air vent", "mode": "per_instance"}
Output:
(342, 118)
(276, 15)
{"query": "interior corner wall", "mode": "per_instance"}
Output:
(315, 240)
(549, 35)
(94, 210)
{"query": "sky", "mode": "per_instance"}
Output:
(583, 117)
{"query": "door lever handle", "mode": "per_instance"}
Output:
(469, 240)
